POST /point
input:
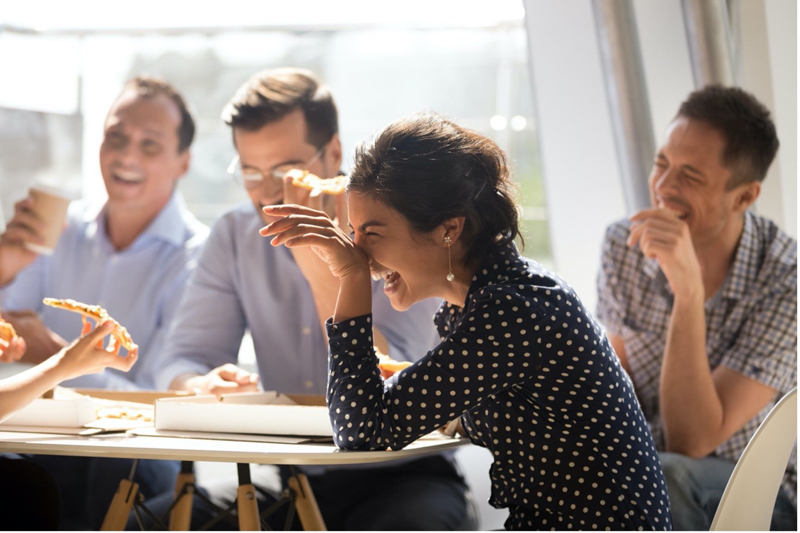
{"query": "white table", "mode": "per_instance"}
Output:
(244, 453)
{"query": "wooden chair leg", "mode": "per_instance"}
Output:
(246, 501)
(121, 505)
(248, 508)
(306, 504)
(180, 519)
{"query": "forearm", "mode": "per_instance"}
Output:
(324, 285)
(355, 297)
(19, 390)
(691, 409)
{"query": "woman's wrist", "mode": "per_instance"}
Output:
(54, 369)
(355, 296)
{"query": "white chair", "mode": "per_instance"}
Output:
(750, 495)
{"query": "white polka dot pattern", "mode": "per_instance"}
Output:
(535, 381)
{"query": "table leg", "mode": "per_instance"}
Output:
(247, 503)
(121, 505)
(306, 503)
(180, 519)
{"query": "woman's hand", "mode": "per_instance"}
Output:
(303, 226)
(87, 356)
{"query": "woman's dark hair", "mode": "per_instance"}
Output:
(430, 170)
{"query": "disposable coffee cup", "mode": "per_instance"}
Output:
(50, 205)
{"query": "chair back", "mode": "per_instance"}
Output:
(750, 494)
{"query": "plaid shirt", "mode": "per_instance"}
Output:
(751, 323)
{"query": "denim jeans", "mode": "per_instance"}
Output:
(695, 489)
(88, 484)
(426, 494)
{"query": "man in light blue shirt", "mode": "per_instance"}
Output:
(140, 286)
(283, 119)
(133, 256)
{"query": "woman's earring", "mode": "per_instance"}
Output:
(449, 242)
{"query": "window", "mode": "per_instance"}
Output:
(475, 74)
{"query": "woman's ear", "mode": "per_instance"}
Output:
(452, 228)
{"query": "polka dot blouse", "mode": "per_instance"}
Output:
(535, 381)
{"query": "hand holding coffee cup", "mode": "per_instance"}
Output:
(34, 229)
(50, 207)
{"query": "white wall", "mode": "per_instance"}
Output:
(579, 163)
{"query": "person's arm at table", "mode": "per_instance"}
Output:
(21, 292)
(201, 346)
(81, 357)
(41, 341)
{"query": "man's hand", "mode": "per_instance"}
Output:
(24, 226)
(662, 236)
(324, 285)
(222, 380)
(41, 341)
(13, 350)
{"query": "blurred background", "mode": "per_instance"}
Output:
(577, 92)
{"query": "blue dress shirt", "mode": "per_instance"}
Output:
(139, 286)
(242, 282)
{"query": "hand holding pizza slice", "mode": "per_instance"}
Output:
(120, 335)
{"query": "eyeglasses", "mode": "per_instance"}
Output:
(253, 178)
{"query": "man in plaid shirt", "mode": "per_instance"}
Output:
(699, 297)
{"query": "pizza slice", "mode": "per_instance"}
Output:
(96, 313)
(307, 180)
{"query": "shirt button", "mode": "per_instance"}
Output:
(306, 330)
(309, 383)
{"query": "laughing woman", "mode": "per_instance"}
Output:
(524, 366)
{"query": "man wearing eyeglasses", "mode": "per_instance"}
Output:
(284, 119)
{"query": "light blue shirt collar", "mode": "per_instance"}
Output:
(168, 225)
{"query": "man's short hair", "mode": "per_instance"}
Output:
(270, 95)
(750, 138)
(149, 87)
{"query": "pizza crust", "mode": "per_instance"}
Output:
(96, 313)
(306, 180)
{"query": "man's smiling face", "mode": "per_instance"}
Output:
(689, 178)
(139, 157)
(279, 144)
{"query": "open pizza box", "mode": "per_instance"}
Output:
(87, 411)
(270, 413)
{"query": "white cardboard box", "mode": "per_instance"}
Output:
(78, 408)
(68, 412)
(259, 413)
